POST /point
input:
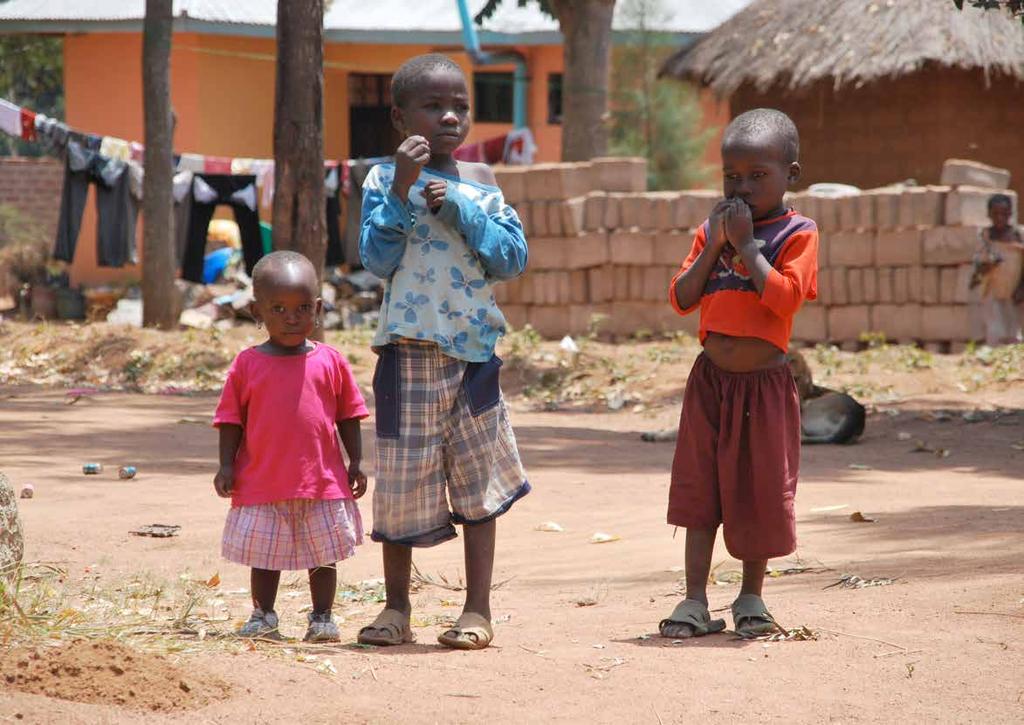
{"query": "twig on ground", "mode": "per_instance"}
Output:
(993, 614)
(899, 652)
(660, 721)
(869, 639)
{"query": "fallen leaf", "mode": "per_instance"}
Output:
(602, 538)
(860, 518)
(327, 667)
(903, 436)
(852, 581)
(213, 581)
(549, 526)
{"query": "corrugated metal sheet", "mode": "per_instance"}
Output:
(395, 16)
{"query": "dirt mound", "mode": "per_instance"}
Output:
(108, 673)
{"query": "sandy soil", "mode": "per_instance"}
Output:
(942, 643)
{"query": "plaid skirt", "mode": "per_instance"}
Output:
(295, 534)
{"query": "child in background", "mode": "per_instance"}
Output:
(997, 271)
(439, 232)
(752, 264)
(283, 405)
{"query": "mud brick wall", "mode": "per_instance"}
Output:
(32, 186)
(893, 260)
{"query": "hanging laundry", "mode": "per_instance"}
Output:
(51, 134)
(10, 118)
(217, 165)
(208, 192)
(243, 166)
(264, 171)
(493, 150)
(115, 148)
(519, 147)
(191, 162)
(138, 152)
(28, 125)
(116, 210)
(181, 189)
(332, 187)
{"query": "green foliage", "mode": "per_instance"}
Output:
(31, 74)
(657, 119)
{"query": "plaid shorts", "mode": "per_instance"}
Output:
(299, 533)
(442, 433)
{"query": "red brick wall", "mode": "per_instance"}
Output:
(902, 128)
(33, 187)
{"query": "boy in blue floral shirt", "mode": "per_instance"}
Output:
(440, 234)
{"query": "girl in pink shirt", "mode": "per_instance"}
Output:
(292, 497)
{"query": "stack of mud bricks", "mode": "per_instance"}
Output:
(601, 247)
(897, 260)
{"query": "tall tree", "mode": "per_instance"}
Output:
(159, 295)
(299, 215)
(586, 27)
(658, 119)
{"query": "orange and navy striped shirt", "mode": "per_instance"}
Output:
(731, 305)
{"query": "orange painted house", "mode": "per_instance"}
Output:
(222, 73)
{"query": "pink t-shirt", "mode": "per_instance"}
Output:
(288, 407)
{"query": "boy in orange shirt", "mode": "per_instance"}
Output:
(752, 264)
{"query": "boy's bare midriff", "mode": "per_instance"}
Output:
(742, 354)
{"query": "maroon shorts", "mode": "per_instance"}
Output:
(737, 458)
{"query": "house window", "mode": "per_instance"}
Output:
(554, 98)
(492, 93)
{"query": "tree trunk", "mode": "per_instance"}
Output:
(159, 295)
(298, 131)
(587, 41)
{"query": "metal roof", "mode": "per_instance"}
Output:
(393, 21)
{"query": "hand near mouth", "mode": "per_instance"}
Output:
(411, 156)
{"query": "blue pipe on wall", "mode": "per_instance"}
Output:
(479, 57)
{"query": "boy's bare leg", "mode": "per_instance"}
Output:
(479, 548)
(753, 577)
(397, 572)
(700, 546)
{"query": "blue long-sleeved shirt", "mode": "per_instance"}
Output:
(439, 269)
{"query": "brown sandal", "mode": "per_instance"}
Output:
(471, 631)
(391, 627)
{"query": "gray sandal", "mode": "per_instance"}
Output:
(751, 618)
(696, 616)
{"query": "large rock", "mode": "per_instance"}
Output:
(12, 544)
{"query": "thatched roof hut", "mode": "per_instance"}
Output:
(891, 87)
(795, 43)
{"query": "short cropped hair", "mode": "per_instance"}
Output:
(412, 71)
(274, 262)
(765, 122)
(999, 199)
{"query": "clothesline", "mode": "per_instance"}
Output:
(515, 147)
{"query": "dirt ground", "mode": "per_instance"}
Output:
(576, 621)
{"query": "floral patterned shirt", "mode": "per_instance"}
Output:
(439, 269)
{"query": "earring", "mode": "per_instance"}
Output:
(259, 324)
(317, 323)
